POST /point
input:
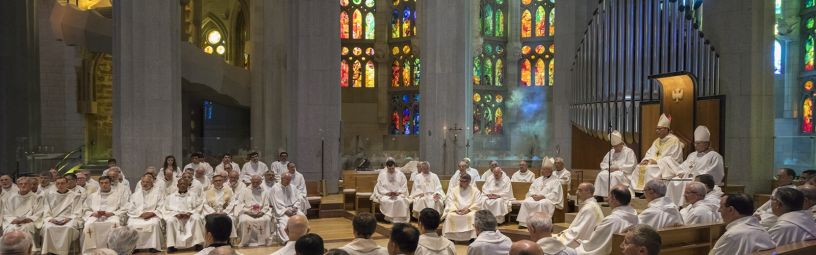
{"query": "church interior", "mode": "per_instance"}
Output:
(661, 124)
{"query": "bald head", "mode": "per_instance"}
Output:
(525, 247)
(809, 191)
(297, 226)
(15, 242)
(585, 191)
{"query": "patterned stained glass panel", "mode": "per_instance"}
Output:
(488, 113)
(404, 111)
(357, 32)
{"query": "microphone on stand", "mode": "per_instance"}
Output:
(609, 160)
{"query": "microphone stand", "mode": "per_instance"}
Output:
(609, 162)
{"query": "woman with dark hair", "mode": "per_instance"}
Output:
(170, 162)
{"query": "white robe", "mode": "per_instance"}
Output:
(553, 194)
(552, 246)
(663, 151)
(696, 164)
(661, 213)
(188, 232)
(18, 206)
(425, 187)
(700, 212)
(564, 176)
(454, 180)
(288, 249)
(460, 227)
(169, 186)
(588, 217)
(490, 242)
(433, 244)
(743, 236)
(793, 227)
(767, 218)
(204, 181)
(7, 192)
(526, 176)
(237, 188)
(150, 230)
(625, 161)
(620, 219)
(58, 239)
(254, 231)
(360, 246)
(713, 196)
(208, 169)
(395, 208)
(299, 183)
(251, 169)
(95, 232)
(279, 168)
(475, 174)
(501, 205)
(284, 198)
(220, 167)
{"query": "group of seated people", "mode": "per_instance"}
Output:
(167, 208)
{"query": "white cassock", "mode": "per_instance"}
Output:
(123, 189)
(7, 192)
(793, 227)
(661, 213)
(251, 168)
(282, 199)
(668, 148)
(743, 236)
(425, 187)
(187, 232)
(57, 239)
(253, 231)
(18, 206)
(237, 188)
(208, 169)
(696, 163)
(279, 167)
(204, 181)
(475, 174)
(490, 242)
(526, 176)
(454, 180)
(288, 249)
(700, 212)
(599, 242)
(220, 201)
(91, 184)
(501, 205)
(150, 230)
(589, 216)
(553, 194)
(220, 167)
(564, 176)
(394, 208)
(170, 186)
(89, 189)
(41, 191)
(552, 246)
(625, 161)
(767, 218)
(460, 227)
(299, 184)
(713, 196)
(95, 232)
(362, 246)
(433, 244)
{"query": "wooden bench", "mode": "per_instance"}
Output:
(797, 248)
(685, 240)
(520, 190)
(365, 186)
(314, 192)
(349, 189)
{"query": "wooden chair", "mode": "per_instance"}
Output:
(445, 184)
(365, 186)
(797, 248)
(314, 191)
(520, 190)
(349, 189)
(685, 240)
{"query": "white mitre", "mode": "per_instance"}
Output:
(664, 121)
(701, 134)
(615, 138)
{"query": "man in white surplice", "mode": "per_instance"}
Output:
(523, 174)
(561, 172)
(391, 192)
(461, 205)
(285, 202)
(589, 215)
(794, 224)
(697, 209)
(540, 226)
(182, 213)
(702, 161)
(8, 186)
(622, 217)
(462, 169)
(103, 211)
(498, 194)
(144, 214)
(236, 184)
(472, 171)
(225, 160)
(169, 181)
(280, 166)
(253, 167)
(299, 183)
(784, 179)
(489, 171)
(743, 233)
(620, 161)
(489, 240)
(254, 221)
(661, 213)
(666, 147)
(427, 190)
(545, 194)
(23, 210)
(118, 184)
(196, 161)
(61, 219)
(201, 176)
(219, 199)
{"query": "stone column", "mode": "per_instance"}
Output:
(742, 32)
(446, 86)
(19, 84)
(147, 84)
(313, 89)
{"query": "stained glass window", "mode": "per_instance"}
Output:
(488, 70)
(357, 31)
(405, 70)
(808, 28)
(537, 66)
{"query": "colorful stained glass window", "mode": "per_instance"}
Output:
(357, 32)
(526, 26)
(807, 115)
(404, 111)
(405, 70)
(488, 67)
(488, 113)
(537, 66)
(809, 3)
(487, 21)
(403, 19)
(488, 70)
